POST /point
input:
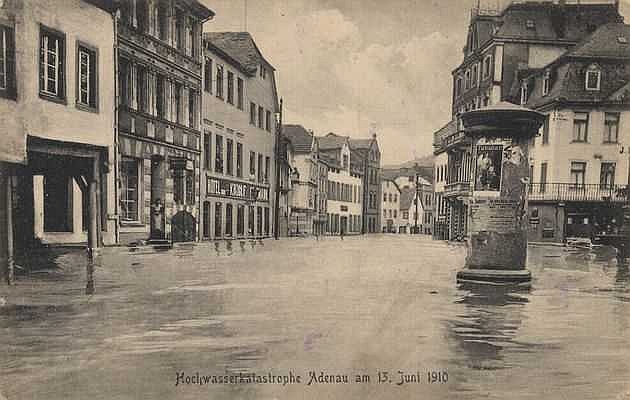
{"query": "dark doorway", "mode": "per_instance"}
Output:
(184, 227)
(57, 203)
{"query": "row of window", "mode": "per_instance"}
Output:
(344, 192)
(221, 80)
(472, 78)
(336, 223)
(391, 214)
(389, 197)
(167, 23)
(153, 93)
(592, 82)
(226, 151)
(131, 173)
(227, 217)
(372, 200)
(52, 68)
(578, 173)
(373, 176)
(260, 117)
(440, 173)
(610, 133)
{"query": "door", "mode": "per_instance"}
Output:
(158, 181)
(344, 225)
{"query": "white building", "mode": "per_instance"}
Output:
(345, 186)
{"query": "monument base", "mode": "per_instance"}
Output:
(519, 278)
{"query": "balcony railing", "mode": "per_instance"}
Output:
(577, 192)
(457, 188)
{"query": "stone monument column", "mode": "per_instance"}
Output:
(497, 210)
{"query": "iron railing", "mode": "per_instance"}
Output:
(576, 192)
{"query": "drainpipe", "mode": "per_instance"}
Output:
(115, 18)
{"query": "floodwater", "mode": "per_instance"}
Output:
(372, 309)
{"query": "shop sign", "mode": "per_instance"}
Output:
(238, 190)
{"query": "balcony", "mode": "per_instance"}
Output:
(461, 188)
(577, 192)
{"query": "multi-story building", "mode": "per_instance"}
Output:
(390, 207)
(411, 211)
(368, 154)
(57, 116)
(579, 162)
(284, 188)
(239, 137)
(440, 217)
(304, 202)
(344, 204)
(523, 35)
(322, 194)
(159, 124)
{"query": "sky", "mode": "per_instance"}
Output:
(357, 67)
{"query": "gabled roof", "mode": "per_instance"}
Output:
(303, 141)
(239, 47)
(331, 141)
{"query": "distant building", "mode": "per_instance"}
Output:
(344, 205)
(287, 176)
(322, 194)
(239, 138)
(369, 155)
(390, 205)
(579, 161)
(304, 203)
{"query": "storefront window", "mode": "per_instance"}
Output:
(129, 190)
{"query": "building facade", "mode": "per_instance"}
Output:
(159, 119)
(367, 153)
(240, 104)
(57, 114)
(500, 43)
(390, 206)
(305, 193)
(322, 195)
(579, 161)
(344, 203)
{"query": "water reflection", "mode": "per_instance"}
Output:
(488, 324)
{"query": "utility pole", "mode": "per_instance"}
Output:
(415, 200)
(279, 159)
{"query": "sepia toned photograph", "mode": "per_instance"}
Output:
(314, 199)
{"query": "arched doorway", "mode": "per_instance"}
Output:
(183, 227)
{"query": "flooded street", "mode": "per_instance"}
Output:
(364, 306)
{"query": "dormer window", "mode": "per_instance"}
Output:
(523, 93)
(546, 85)
(593, 78)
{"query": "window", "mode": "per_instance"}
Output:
(458, 86)
(611, 127)
(240, 220)
(266, 209)
(52, 64)
(546, 84)
(473, 78)
(87, 89)
(163, 20)
(220, 81)
(129, 180)
(261, 117)
(580, 127)
(607, 175)
(218, 215)
(487, 68)
(260, 167)
(384, 197)
(190, 32)
(252, 114)
(179, 29)
(192, 109)
(239, 160)
(228, 219)
(229, 146)
(124, 81)
(239, 93)
(593, 78)
(524, 93)
(218, 154)
(207, 149)
(543, 177)
(183, 186)
(207, 75)
(578, 172)
(230, 87)
(467, 80)
(545, 132)
(250, 220)
(267, 164)
(259, 221)
(345, 161)
(252, 165)
(190, 186)
(395, 214)
(141, 88)
(177, 102)
(160, 96)
(268, 121)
